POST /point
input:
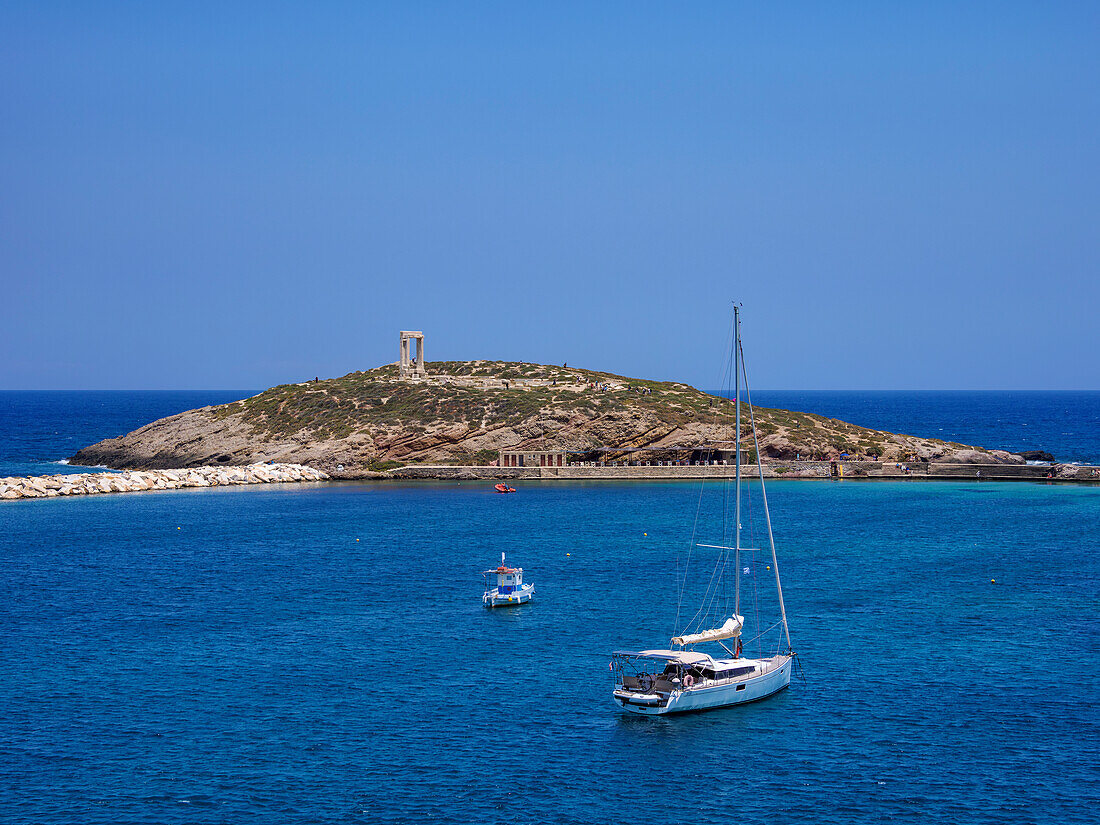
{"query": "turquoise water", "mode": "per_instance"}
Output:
(319, 653)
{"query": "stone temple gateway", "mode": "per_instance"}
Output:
(412, 368)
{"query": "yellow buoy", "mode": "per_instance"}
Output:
(992, 581)
(569, 554)
(645, 534)
(177, 528)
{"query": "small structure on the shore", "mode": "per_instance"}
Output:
(412, 367)
(532, 458)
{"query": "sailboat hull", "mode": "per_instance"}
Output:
(709, 696)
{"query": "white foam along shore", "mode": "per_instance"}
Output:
(133, 481)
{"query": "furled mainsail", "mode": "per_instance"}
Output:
(729, 629)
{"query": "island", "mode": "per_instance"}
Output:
(416, 419)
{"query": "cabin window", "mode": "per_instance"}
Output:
(740, 687)
(733, 673)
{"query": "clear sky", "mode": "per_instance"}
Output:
(226, 195)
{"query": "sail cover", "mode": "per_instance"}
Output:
(729, 629)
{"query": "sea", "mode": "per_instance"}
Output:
(319, 652)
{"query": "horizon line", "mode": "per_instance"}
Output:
(712, 392)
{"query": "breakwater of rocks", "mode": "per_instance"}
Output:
(133, 481)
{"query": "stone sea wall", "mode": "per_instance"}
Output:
(772, 469)
(133, 481)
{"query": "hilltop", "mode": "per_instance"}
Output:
(468, 410)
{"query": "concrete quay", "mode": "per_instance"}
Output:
(779, 469)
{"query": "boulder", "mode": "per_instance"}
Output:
(1037, 455)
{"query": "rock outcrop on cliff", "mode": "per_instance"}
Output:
(368, 421)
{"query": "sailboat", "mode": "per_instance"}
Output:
(682, 678)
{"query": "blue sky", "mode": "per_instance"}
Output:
(237, 195)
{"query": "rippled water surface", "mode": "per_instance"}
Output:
(319, 653)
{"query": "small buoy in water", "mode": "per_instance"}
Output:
(769, 567)
(645, 534)
(357, 539)
(992, 581)
(569, 554)
(177, 528)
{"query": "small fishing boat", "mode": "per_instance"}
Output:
(504, 488)
(679, 679)
(510, 589)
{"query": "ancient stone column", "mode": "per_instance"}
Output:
(405, 368)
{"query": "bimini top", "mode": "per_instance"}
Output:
(729, 629)
(683, 657)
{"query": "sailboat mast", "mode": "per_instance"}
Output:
(764, 496)
(737, 461)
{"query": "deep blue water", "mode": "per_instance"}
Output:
(319, 653)
(1066, 424)
(38, 429)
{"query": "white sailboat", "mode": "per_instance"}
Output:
(681, 678)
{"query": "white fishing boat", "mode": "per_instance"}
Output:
(509, 590)
(681, 678)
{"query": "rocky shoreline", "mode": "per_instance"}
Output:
(134, 481)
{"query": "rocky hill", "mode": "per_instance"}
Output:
(468, 410)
